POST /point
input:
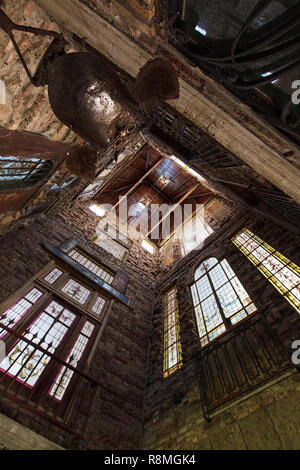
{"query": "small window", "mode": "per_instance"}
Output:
(92, 266)
(98, 210)
(172, 345)
(61, 282)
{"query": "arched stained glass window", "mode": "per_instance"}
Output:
(279, 270)
(219, 299)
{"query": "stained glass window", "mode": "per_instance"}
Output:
(50, 324)
(172, 345)
(279, 270)
(12, 316)
(76, 291)
(91, 266)
(48, 330)
(53, 276)
(219, 299)
(64, 376)
(98, 305)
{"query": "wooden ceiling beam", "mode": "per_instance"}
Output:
(173, 208)
(130, 191)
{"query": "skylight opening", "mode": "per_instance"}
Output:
(98, 210)
(187, 168)
(141, 205)
(148, 246)
(200, 30)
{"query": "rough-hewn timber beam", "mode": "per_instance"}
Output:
(234, 133)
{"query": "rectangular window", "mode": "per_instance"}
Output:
(27, 363)
(12, 316)
(64, 376)
(280, 271)
(172, 345)
(92, 266)
(49, 327)
(76, 291)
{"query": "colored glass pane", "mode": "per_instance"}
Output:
(27, 363)
(14, 314)
(279, 270)
(218, 294)
(172, 346)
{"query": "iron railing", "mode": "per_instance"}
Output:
(239, 363)
(70, 414)
(22, 173)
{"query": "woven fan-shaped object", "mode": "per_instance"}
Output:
(82, 162)
(157, 79)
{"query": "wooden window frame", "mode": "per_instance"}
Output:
(82, 314)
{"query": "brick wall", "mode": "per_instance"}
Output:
(120, 361)
(28, 107)
(182, 426)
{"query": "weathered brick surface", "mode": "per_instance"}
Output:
(120, 361)
(170, 426)
(28, 107)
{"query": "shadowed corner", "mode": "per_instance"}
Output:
(2, 351)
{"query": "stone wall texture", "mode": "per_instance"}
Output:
(27, 107)
(120, 362)
(268, 420)
(13, 436)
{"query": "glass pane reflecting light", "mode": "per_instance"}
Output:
(279, 270)
(217, 295)
(27, 363)
(64, 376)
(172, 345)
(14, 314)
(91, 266)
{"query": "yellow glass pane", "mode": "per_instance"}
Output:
(282, 258)
(284, 275)
(292, 299)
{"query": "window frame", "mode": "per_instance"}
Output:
(73, 244)
(168, 371)
(226, 321)
(83, 313)
(287, 263)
